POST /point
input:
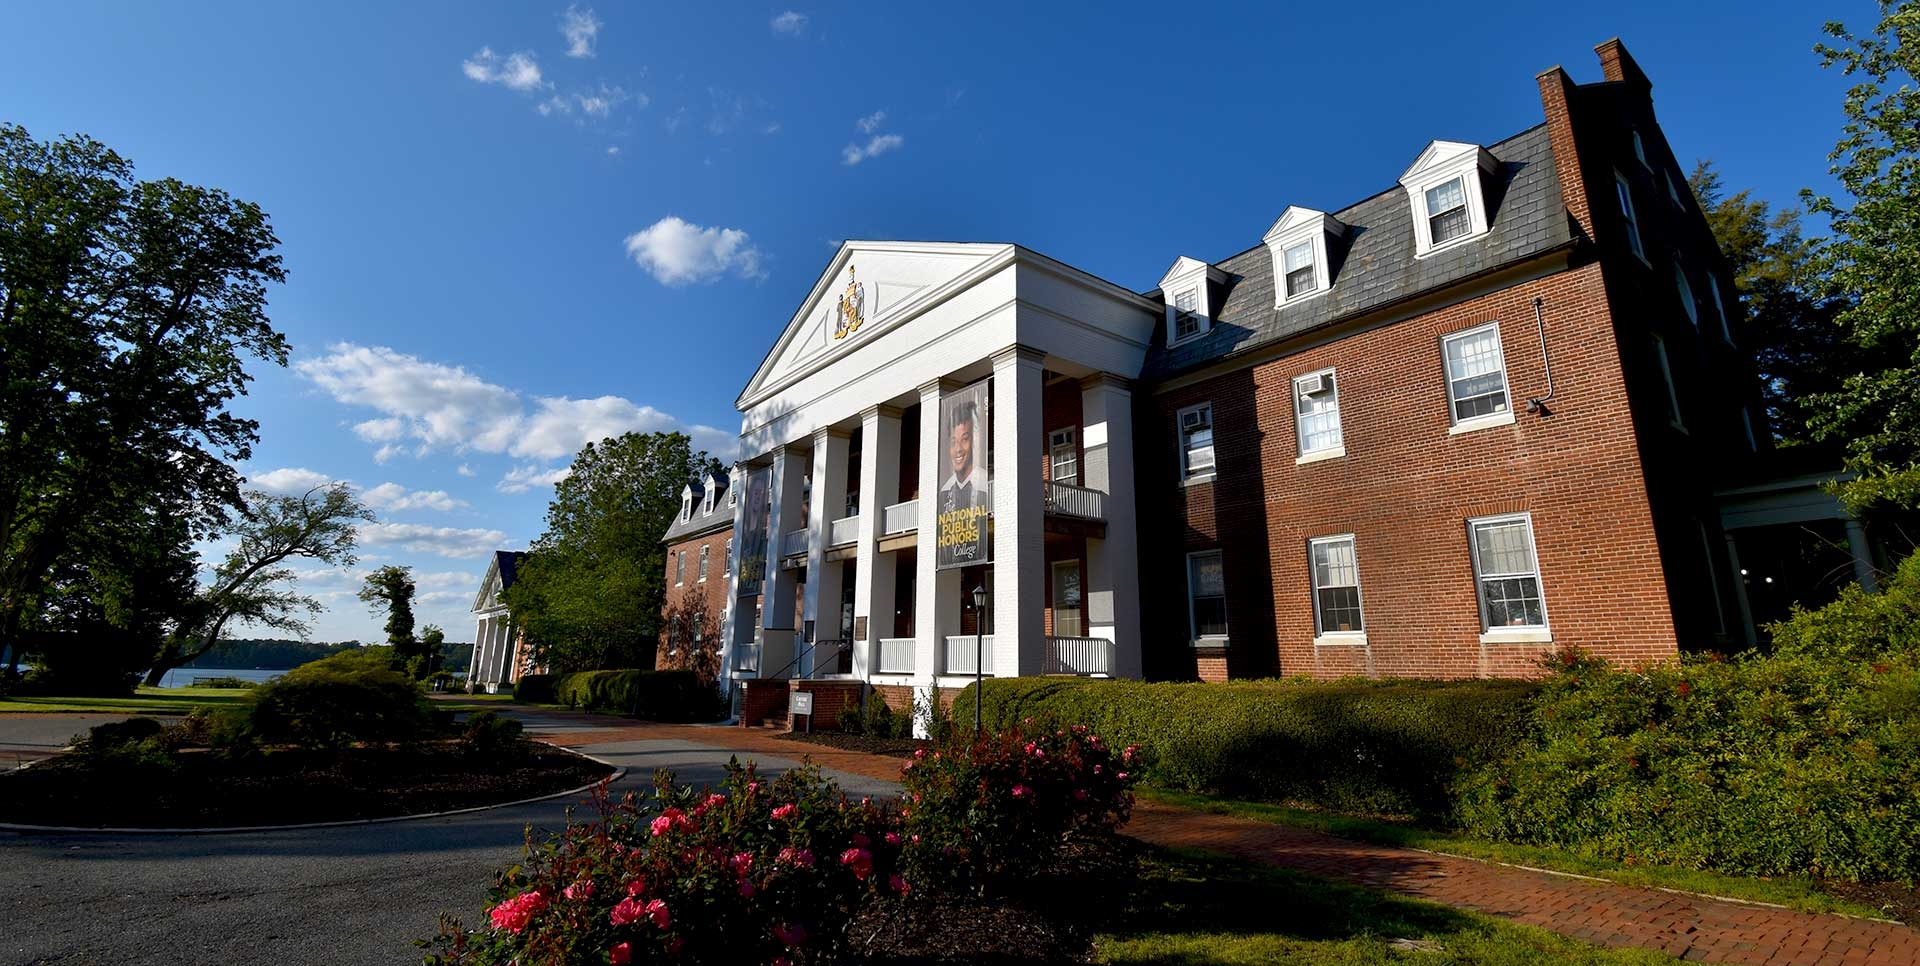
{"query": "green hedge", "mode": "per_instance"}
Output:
(659, 695)
(535, 689)
(1376, 747)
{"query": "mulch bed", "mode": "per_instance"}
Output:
(284, 787)
(1895, 900)
(890, 747)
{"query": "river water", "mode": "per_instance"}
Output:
(181, 677)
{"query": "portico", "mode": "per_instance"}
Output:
(934, 419)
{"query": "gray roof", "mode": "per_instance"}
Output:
(698, 523)
(1374, 264)
(508, 564)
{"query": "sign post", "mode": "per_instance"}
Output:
(803, 705)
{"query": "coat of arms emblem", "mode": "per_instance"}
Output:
(853, 308)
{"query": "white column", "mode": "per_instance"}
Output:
(1862, 555)
(479, 643)
(829, 496)
(1113, 563)
(1740, 591)
(735, 616)
(928, 588)
(1019, 515)
(776, 612)
(873, 587)
(502, 645)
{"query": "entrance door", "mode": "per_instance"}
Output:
(1068, 615)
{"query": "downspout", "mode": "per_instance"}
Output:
(1538, 404)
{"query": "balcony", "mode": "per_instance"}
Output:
(900, 518)
(1084, 656)
(793, 543)
(843, 531)
(746, 659)
(957, 653)
(893, 655)
(1066, 500)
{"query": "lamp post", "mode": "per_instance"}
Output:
(979, 630)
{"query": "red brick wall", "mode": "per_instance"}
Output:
(830, 700)
(713, 591)
(762, 701)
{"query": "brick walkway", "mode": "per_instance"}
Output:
(1690, 927)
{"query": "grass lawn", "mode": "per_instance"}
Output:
(1194, 908)
(455, 701)
(1795, 892)
(144, 701)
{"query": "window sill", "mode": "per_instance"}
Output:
(1336, 638)
(1211, 644)
(1449, 244)
(1302, 297)
(1481, 422)
(1198, 479)
(1517, 635)
(1325, 454)
(1183, 340)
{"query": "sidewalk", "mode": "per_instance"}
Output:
(1689, 927)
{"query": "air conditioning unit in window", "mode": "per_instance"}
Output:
(1316, 384)
(1194, 420)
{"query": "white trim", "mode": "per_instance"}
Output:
(1193, 624)
(1320, 456)
(1441, 162)
(1294, 227)
(1481, 422)
(1623, 192)
(1341, 639)
(1517, 635)
(704, 547)
(1331, 383)
(1189, 276)
(1540, 632)
(1180, 441)
(1313, 588)
(1501, 417)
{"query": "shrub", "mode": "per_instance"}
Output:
(1858, 626)
(227, 682)
(331, 703)
(535, 689)
(1375, 747)
(985, 810)
(1761, 765)
(349, 662)
(136, 744)
(873, 717)
(660, 695)
(487, 735)
(759, 872)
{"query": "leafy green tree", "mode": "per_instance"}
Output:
(114, 601)
(433, 646)
(254, 585)
(590, 594)
(391, 589)
(1872, 260)
(128, 310)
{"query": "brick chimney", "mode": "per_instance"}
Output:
(1617, 65)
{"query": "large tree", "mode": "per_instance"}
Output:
(253, 585)
(127, 312)
(591, 592)
(1871, 262)
(391, 589)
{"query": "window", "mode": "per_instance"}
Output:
(733, 497)
(1476, 374)
(1063, 456)
(1207, 596)
(1301, 277)
(1666, 373)
(728, 563)
(1720, 310)
(1626, 211)
(1066, 599)
(703, 562)
(1316, 413)
(1186, 322)
(686, 505)
(1507, 573)
(1640, 151)
(679, 568)
(1673, 191)
(1447, 216)
(1196, 442)
(1336, 586)
(1685, 289)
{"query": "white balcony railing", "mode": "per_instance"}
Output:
(1078, 655)
(793, 542)
(843, 531)
(1075, 501)
(893, 655)
(900, 518)
(746, 657)
(959, 653)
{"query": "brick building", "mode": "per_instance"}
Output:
(1494, 409)
(698, 567)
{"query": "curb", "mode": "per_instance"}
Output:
(618, 773)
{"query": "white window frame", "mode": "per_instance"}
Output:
(1295, 227)
(1067, 439)
(1325, 637)
(1193, 622)
(1674, 417)
(1302, 454)
(703, 562)
(1623, 190)
(1441, 162)
(728, 563)
(1186, 308)
(1312, 268)
(1060, 608)
(1465, 208)
(1503, 417)
(1188, 473)
(1189, 277)
(679, 568)
(1684, 289)
(1720, 309)
(1541, 633)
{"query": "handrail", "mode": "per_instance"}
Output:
(838, 646)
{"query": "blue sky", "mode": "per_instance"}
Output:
(513, 228)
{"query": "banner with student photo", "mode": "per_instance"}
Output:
(964, 532)
(753, 542)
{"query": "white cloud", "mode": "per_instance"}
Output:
(517, 70)
(678, 252)
(380, 430)
(791, 22)
(582, 29)
(877, 145)
(871, 122)
(393, 496)
(444, 541)
(523, 478)
(596, 104)
(289, 480)
(445, 407)
(464, 470)
(773, 127)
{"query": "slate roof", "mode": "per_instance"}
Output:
(508, 563)
(1374, 264)
(699, 523)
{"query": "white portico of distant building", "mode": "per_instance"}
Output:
(979, 388)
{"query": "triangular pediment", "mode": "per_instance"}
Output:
(1446, 154)
(1296, 218)
(867, 289)
(489, 594)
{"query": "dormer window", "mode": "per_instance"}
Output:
(686, 503)
(1298, 242)
(1449, 199)
(1188, 289)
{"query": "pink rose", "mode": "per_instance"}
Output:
(657, 911)
(893, 838)
(580, 890)
(662, 825)
(899, 885)
(785, 812)
(793, 856)
(859, 860)
(861, 841)
(741, 863)
(636, 887)
(514, 914)
(628, 912)
(1021, 791)
(622, 953)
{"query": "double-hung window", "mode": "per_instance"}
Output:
(1507, 574)
(1720, 310)
(1626, 212)
(703, 562)
(1476, 375)
(1196, 442)
(679, 568)
(728, 572)
(1685, 290)
(1207, 596)
(1673, 393)
(1447, 215)
(1186, 315)
(1316, 413)
(1336, 588)
(1301, 276)
(1063, 456)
